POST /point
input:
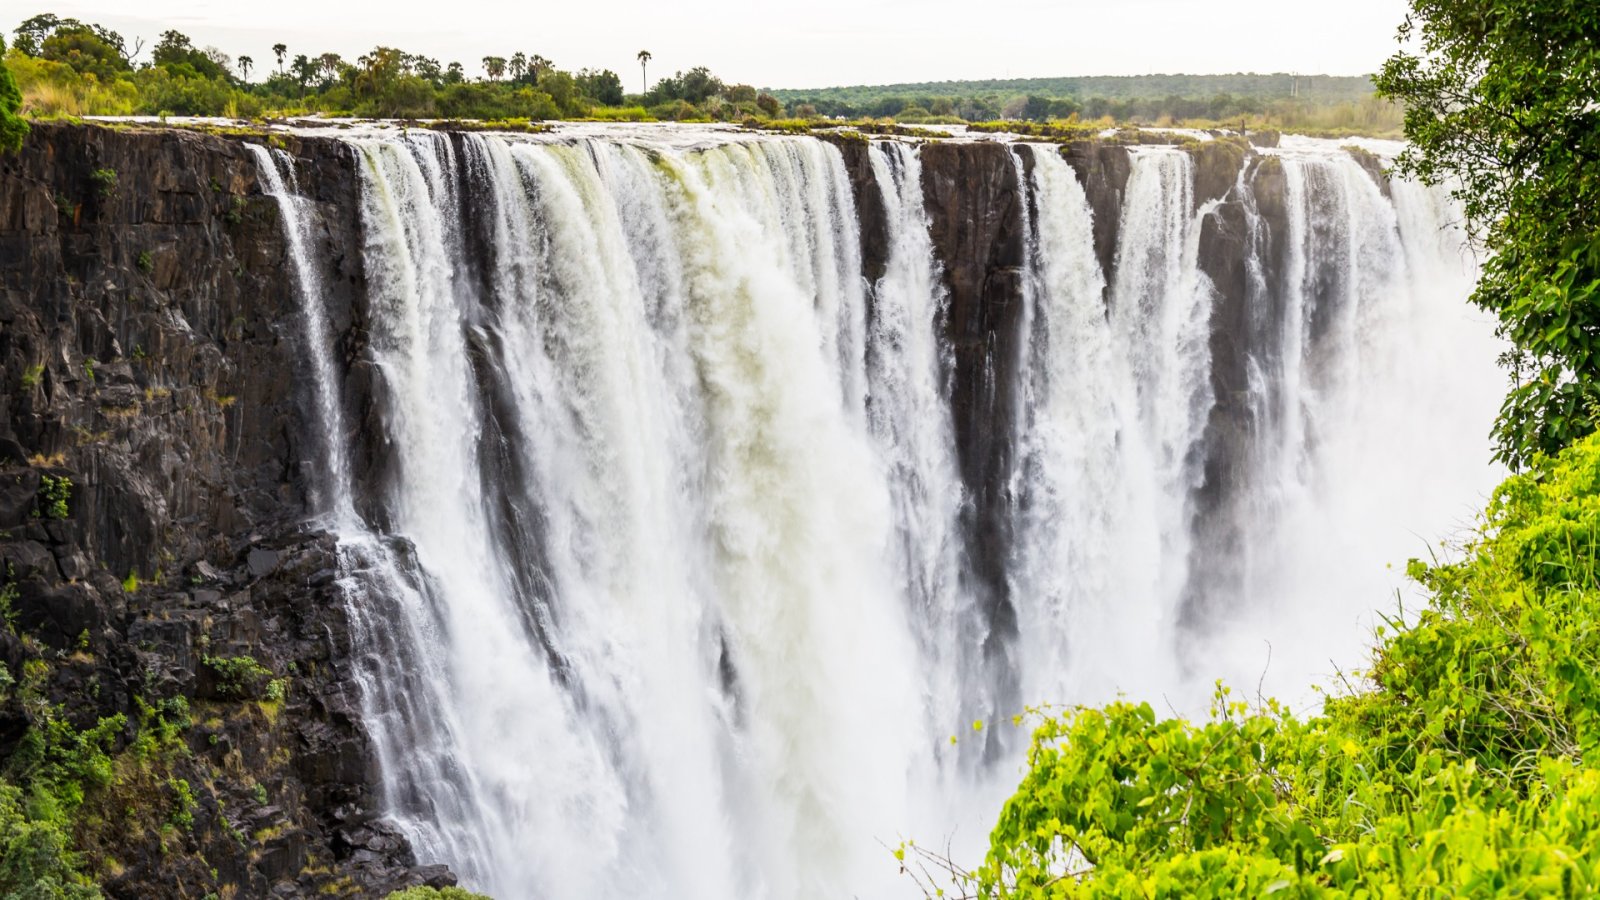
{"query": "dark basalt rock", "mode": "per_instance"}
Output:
(1245, 326)
(1103, 170)
(1373, 166)
(1266, 138)
(870, 210)
(149, 337)
(1217, 165)
(977, 223)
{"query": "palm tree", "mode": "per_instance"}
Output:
(329, 63)
(644, 77)
(519, 65)
(244, 64)
(279, 50)
(538, 65)
(495, 66)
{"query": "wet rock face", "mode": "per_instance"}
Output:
(1252, 222)
(870, 210)
(977, 224)
(1103, 170)
(152, 504)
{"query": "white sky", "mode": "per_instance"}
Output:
(817, 44)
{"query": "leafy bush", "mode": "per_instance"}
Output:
(54, 492)
(105, 182)
(1500, 103)
(12, 128)
(428, 893)
(238, 677)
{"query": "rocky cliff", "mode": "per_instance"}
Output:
(158, 570)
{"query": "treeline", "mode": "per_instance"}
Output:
(1316, 88)
(1314, 102)
(67, 67)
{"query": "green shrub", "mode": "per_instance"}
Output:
(428, 893)
(183, 805)
(54, 492)
(238, 677)
(146, 262)
(105, 182)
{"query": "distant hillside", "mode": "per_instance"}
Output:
(1280, 100)
(1325, 88)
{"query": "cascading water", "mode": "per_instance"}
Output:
(660, 587)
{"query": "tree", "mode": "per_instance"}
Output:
(174, 53)
(245, 63)
(12, 126)
(518, 65)
(603, 87)
(644, 58)
(279, 50)
(85, 50)
(303, 70)
(538, 66)
(329, 64)
(1501, 102)
(31, 33)
(494, 67)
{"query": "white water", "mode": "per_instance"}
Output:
(667, 594)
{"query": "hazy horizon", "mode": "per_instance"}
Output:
(837, 44)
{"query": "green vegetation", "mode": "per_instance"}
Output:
(105, 182)
(1305, 104)
(65, 67)
(239, 677)
(12, 128)
(1502, 102)
(62, 789)
(54, 492)
(69, 68)
(428, 893)
(42, 787)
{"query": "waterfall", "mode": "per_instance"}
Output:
(657, 576)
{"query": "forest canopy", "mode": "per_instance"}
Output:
(67, 67)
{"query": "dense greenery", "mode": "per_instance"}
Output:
(1465, 769)
(428, 893)
(1502, 101)
(67, 67)
(12, 128)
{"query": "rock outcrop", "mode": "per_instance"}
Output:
(153, 545)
